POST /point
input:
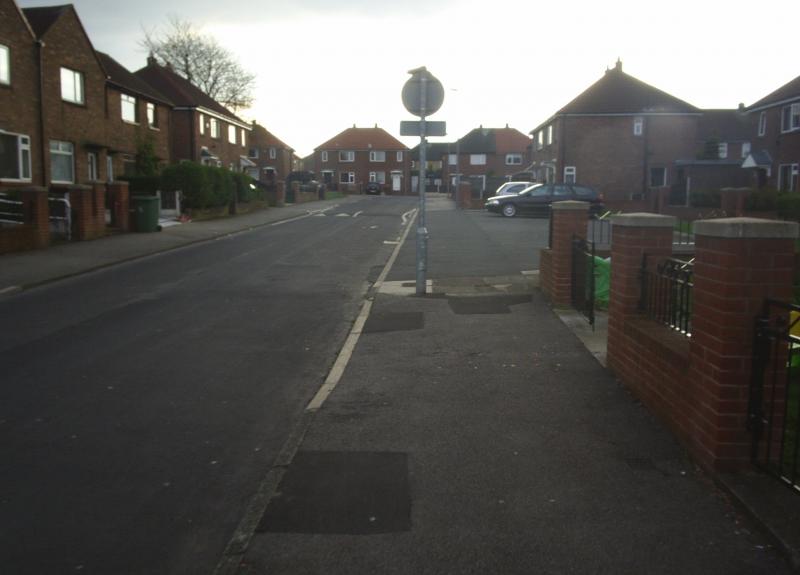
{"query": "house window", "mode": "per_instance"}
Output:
(62, 162)
(152, 115)
(377, 156)
(71, 86)
(513, 159)
(110, 168)
(452, 159)
(745, 149)
(790, 117)
(347, 156)
(399, 156)
(549, 134)
(787, 177)
(128, 108)
(379, 177)
(638, 126)
(539, 140)
(15, 157)
(273, 153)
(570, 174)
(722, 150)
(243, 138)
(347, 177)
(5, 65)
(252, 153)
(477, 159)
(762, 123)
(231, 134)
(91, 166)
(324, 156)
(202, 124)
(214, 128)
(658, 177)
(128, 165)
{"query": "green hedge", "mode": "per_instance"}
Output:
(202, 186)
(705, 199)
(762, 200)
(143, 185)
(789, 206)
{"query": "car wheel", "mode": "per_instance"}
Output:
(509, 210)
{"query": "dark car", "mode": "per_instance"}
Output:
(536, 199)
(374, 188)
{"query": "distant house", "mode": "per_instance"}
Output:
(774, 123)
(273, 159)
(21, 146)
(357, 156)
(436, 155)
(202, 129)
(483, 153)
(620, 136)
(137, 115)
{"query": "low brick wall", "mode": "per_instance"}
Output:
(34, 232)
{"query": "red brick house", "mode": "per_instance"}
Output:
(774, 123)
(273, 159)
(620, 136)
(202, 130)
(136, 114)
(21, 149)
(357, 156)
(488, 153)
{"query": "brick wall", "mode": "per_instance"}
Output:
(568, 220)
(362, 166)
(34, 232)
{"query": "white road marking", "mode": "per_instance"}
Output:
(390, 242)
(355, 215)
(342, 215)
(10, 289)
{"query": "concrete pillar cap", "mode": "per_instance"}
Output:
(643, 220)
(746, 228)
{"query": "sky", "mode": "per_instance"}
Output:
(323, 66)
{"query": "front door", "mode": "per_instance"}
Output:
(396, 180)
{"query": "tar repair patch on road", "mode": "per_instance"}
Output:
(341, 492)
(394, 321)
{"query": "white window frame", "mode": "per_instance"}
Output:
(746, 147)
(549, 138)
(638, 126)
(231, 134)
(513, 159)
(790, 118)
(92, 173)
(452, 159)
(662, 172)
(214, 128)
(399, 156)
(722, 150)
(202, 124)
(346, 156)
(793, 175)
(5, 65)
(324, 156)
(128, 108)
(762, 123)
(539, 140)
(377, 156)
(477, 159)
(23, 157)
(109, 168)
(152, 116)
(347, 177)
(570, 174)
(72, 86)
(252, 153)
(243, 138)
(273, 153)
(379, 177)
(62, 149)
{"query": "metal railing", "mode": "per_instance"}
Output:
(11, 211)
(666, 293)
(60, 216)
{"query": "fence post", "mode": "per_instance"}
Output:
(633, 235)
(738, 263)
(567, 219)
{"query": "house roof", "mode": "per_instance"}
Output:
(180, 91)
(266, 138)
(121, 77)
(789, 91)
(363, 139)
(41, 19)
(493, 141)
(723, 125)
(619, 93)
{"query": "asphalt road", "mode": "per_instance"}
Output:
(142, 404)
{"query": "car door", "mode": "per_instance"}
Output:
(535, 200)
(561, 193)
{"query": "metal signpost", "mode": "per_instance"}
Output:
(422, 95)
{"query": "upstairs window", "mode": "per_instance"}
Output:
(377, 156)
(513, 159)
(638, 126)
(273, 153)
(399, 156)
(128, 104)
(71, 86)
(202, 124)
(762, 123)
(658, 177)
(570, 174)
(232, 134)
(15, 157)
(243, 139)
(214, 128)
(539, 140)
(152, 115)
(790, 117)
(347, 156)
(477, 159)
(5, 64)
(324, 156)
(550, 134)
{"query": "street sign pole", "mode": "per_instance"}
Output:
(422, 231)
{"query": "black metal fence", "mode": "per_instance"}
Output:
(583, 277)
(667, 293)
(774, 406)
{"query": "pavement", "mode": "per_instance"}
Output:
(473, 430)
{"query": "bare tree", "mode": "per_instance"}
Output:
(200, 59)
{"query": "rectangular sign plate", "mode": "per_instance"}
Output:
(413, 128)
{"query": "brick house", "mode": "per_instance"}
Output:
(357, 156)
(620, 136)
(202, 130)
(136, 114)
(21, 145)
(774, 123)
(273, 159)
(72, 103)
(436, 155)
(496, 153)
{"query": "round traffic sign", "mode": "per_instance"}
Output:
(413, 92)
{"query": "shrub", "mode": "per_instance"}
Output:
(705, 199)
(191, 179)
(789, 206)
(222, 186)
(143, 185)
(246, 190)
(765, 200)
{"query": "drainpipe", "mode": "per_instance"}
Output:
(42, 142)
(656, 203)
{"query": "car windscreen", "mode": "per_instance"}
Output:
(584, 193)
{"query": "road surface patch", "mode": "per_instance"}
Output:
(394, 321)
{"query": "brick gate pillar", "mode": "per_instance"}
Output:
(119, 196)
(633, 236)
(37, 215)
(280, 194)
(738, 263)
(567, 219)
(464, 195)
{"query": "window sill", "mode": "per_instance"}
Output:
(124, 121)
(154, 128)
(71, 103)
(16, 181)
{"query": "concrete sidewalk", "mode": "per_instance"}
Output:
(473, 432)
(27, 269)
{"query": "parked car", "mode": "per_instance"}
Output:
(374, 188)
(510, 188)
(536, 199)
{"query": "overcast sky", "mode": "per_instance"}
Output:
(323, 65)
